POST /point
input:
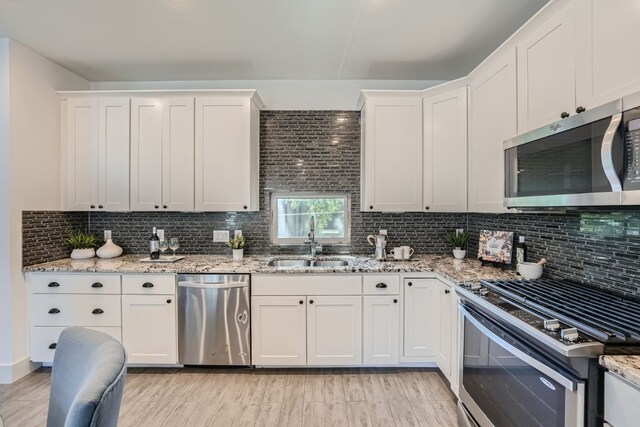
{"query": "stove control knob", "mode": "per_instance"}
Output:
(475, 286)
(569, 334)
(552, 325)
(484, 291)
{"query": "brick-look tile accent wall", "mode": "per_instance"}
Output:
(44, 234)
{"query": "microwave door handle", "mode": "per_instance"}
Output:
(606, 153)
(534, 363)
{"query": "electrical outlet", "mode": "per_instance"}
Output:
(160, 234)
(383, 232)
(459, 231)
(107, 235)
(220, 236)
(237, 233)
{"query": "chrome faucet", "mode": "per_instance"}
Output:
(314, 246)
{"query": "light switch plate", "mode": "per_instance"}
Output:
(383, 232)
(107, 235)
(237, 233)
(220, 236)
(160, 234)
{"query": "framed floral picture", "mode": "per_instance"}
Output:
(495, 246)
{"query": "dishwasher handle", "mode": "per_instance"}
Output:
(213, 285)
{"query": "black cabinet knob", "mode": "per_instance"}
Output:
(97, 311)
(164, 206)
(310, 301)
(381, 285)
(157, 207)
(100, 206)
(97, 285)
(564, 115)
(580, 109)
(53, 285)
(54, 311)
(410, 284)
(168, 301)
(447, 291)
(395, 301)
(244, 207)
(52, 346)
(147, 285)
(426, 208)
(93, 206)
(301, 302)
(371, 207)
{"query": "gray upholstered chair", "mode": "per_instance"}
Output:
(87, 380)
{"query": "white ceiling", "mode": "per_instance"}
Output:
(112, 40)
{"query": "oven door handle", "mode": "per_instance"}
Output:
(567, 383)
(606, 153)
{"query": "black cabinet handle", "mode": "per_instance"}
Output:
(410, 284)
(300, 302)
(564, 115)
(97, 311)
(97, 285)
(244, 207)
(447, 291)
(168, 301)
(157, 207)
(580, 109)
(371, 207)
(395, 301)
(164, 206)
(52, 346)
(100, 206)
(54, 311)
(147, 285)
(381, 285)
(93, 206)
(53, 285)
(310, 301)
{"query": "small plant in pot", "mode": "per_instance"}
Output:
(83, 245)
(237, 243)
(459, 241)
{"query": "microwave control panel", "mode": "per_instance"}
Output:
(632, 156)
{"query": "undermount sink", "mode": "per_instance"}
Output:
(307, 263)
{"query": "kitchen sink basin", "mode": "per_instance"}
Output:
(307, 263)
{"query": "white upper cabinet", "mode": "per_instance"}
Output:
(162, 154)
(546, 72)
(97, 161)
(492, 119)
(607, 60)
(226, 153)
(392, 153)
(445, 152)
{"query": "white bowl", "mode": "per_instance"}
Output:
(530, 270)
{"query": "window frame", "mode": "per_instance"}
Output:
(282, 241)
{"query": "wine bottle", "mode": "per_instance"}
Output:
(154, 245)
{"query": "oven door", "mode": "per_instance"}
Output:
(505, 382)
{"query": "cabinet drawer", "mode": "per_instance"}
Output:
(75, 283)
(44, 340)
(144, 284)
(75, 310)
(383, 284)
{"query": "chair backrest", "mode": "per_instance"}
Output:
(87, 380)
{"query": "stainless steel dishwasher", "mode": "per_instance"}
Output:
(213, 319)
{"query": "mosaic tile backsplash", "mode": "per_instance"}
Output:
(320, 151)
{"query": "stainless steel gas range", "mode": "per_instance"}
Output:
(530, 351)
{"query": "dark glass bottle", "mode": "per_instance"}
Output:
(154, 245)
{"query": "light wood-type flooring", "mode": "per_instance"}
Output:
(258, 397)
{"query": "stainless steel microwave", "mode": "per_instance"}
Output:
(590, 159)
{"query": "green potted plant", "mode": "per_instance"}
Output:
(458, 240)
(237, 243)
(83, 245)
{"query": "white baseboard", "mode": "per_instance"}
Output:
(12, 373)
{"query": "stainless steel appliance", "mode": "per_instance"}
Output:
(530, 351)
(213, 319)
(380, 243)
(589, 159)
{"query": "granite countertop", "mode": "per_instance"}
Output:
(628, 367)
(460, 271)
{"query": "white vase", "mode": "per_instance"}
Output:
(459, 253)
(238, 254)
(109, 250)
(83, 253)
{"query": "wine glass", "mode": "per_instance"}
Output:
(164, 245)
(174, 244)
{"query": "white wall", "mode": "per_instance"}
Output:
(5, 291)
(285, 94)
(34, 179)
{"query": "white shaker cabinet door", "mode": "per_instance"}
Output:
(492, 119)
(178, 154)
(279, 330)
(445, 152)
(149, 329)
(421, 317)
(334, 330)
(546, 72)
(392, 155)
(381, 330)
(146, 154)
(446, 328)
(223, 153)
(607, 62)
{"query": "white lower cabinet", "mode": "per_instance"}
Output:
(421, 317)
(279, 330)
(334, 330)
(149, 329)
(445, 328)
(44, 340)
(381, 330)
